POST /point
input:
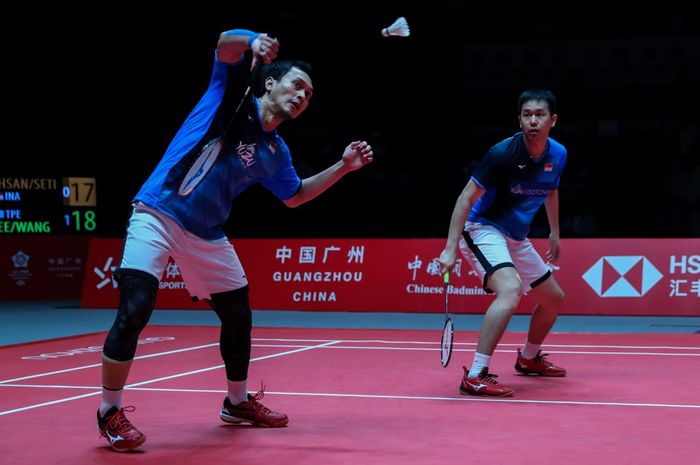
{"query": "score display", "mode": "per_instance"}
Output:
(48, 205)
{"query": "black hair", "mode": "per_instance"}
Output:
(538, 94)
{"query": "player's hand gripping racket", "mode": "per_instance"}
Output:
(448, 329)
(210, 151)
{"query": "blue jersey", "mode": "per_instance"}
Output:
(249, 155)
(516, 185)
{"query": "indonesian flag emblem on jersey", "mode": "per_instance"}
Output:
(548, 167)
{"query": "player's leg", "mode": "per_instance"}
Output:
(486, 250)
(549, 297)
(505, 284)
(213, 272)
(143, 259)
(233, 309)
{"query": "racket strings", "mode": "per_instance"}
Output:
(446, 343)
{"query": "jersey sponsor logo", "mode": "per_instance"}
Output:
(246, 154)
(521, 166)
(622, 276)
(528, 191)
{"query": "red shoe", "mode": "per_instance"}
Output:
(484, 384)
(120, 433)
(253, 412)
(538, 366)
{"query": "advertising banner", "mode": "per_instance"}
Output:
(42, 267)
(599, 276)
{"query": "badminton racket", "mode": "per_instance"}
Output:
(210, 151)
(448, 329)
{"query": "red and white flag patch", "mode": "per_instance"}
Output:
(548, 167)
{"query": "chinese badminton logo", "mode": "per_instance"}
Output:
(622, 276)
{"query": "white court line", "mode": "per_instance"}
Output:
(386, 396)
(83, 367)
(202, 370)
(497, 350)
(128, 386)
(383, 341)
(330, 344)
(512, 351)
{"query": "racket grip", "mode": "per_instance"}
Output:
(255, 71)
(446, 277)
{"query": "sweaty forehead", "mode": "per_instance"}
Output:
(295, 73)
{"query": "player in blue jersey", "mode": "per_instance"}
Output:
(489, 225)
(181, 208)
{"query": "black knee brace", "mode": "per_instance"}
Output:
(233, 309)
(137, 293)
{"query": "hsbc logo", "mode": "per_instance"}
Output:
(622, 276)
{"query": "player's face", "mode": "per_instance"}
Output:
(291, 94)
(535, 119)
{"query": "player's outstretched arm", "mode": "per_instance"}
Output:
(463, 206)
(551, 205)
(355, 156)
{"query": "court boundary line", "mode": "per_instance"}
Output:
(128, 386)
(332, 344)
(136, 387)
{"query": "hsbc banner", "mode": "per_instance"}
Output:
(599, 276)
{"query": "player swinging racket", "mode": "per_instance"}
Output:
(181, 208)
(490, 223)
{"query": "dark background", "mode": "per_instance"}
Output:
(100, 91)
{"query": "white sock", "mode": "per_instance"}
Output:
(480, 361)
(110, 398)
(237, 391)
(530, 350)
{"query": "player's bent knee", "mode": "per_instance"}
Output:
(137, 291)
(233, 307)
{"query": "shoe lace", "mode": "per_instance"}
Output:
(488, 378)
(255, 398)
(118, 422)
(541, 358)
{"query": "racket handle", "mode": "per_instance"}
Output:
(255, 71)
(446, 277)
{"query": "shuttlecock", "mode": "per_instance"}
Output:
(399, 28)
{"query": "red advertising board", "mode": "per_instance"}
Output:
(42, 267)
(599, 276)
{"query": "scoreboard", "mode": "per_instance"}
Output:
(53, 205)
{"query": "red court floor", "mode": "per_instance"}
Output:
(360, 397)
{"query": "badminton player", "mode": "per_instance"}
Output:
(179, 211)
(489, 225)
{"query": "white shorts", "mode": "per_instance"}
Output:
(488, 249)
(207, 266)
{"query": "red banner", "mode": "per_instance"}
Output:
(599, 276)
(42, 267)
